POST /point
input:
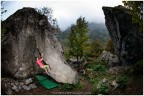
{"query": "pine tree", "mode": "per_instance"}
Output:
(78, 38)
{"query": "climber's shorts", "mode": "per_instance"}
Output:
(45, 67)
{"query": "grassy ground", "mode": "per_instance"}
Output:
(134, 87)
(97, 80)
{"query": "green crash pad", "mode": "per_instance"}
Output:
(46, 81)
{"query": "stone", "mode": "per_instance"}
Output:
(19, 87)
(117, 69)
(27, 31)
(26, 87)
(125, 35)
(110, 58)
(16, 83)
(32, 86)
(21, 83)
(17, 90)
(14, 87)
(12, 84)
(5, 85)
(104, 80)
(28, 81)
(114, 84)
(8, 92)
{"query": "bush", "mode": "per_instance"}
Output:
(122, 82)
(101, 88)
(94, 80)
(78, 86)
(66, 87)
(99, 68)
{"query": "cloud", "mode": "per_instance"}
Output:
(67, 11)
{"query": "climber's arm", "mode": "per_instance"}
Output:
(42, 56)
(38, 51)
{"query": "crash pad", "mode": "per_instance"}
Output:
(46, 81)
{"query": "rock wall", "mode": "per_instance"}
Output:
(25, 31)
(126, 38)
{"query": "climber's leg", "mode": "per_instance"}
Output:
(44, 67)
(47, 68)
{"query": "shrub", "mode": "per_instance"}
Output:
(101, 88)
(78, 86)
(122, 82)
(99, 68)
(94, 80)
(66, 87)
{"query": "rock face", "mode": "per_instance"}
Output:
(25, 31)
(126, 38)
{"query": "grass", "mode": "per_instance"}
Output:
(101, 88)
(67, 87)
(95, 73)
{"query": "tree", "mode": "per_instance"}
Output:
(2, 8)
(96, 48)
(136, 8)
(78, 38)
(48, 13)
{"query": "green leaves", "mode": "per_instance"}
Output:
(136, 8)
(48, 12)
(101, 88)
(78, 38)
(122, 81)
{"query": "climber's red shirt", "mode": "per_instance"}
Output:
(39, 62)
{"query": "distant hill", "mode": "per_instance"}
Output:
(96, 32)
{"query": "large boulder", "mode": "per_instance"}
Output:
(24, 31)
(125, 35)
(110, 58)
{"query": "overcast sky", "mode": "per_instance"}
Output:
(66, 11)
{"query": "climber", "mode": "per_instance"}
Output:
(40, 63)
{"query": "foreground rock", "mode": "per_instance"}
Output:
(25, 31)
(126, 38)
(9, 85)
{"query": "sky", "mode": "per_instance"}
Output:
(66, 11)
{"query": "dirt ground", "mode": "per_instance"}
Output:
(56, 91)
(134, 87)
